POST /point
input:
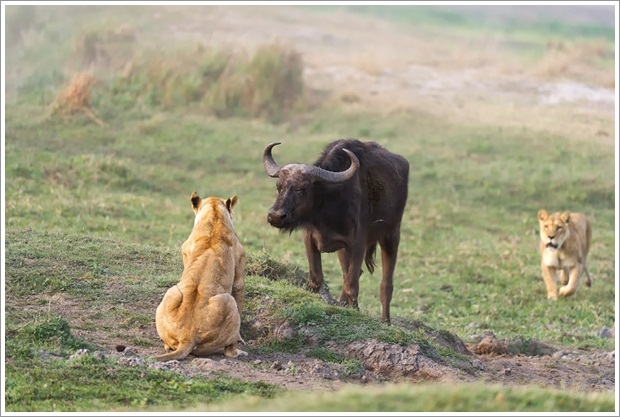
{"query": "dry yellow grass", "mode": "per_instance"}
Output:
(76, 97)
(576, 61)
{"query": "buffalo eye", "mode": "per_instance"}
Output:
(300, 191)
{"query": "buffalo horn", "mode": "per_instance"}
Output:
(335, 177)
(273, 170)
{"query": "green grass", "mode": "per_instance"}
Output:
(99, 214)
(405, 398)
(469, 226)
(475, 22)
(43, 313)
(92, 383)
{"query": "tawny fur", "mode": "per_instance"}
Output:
(564, 246)
(202, 313)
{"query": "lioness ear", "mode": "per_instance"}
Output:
(542, 215)
(195, 199)
(230, 203)
(565, 216)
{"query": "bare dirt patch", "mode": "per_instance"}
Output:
(567, 369)
(507, 362)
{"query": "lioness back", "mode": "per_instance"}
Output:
(202, 313)
(564, 246)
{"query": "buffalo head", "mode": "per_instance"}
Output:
(295, 188)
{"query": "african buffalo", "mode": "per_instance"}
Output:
(352, 198)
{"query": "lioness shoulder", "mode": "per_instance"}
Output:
(564, 245)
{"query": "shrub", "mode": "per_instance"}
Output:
(226, 84)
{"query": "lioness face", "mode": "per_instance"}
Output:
(553, 229)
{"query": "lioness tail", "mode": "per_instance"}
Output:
(180, 353)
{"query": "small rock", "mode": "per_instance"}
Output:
(559, 354)
(478, 364)
(78, 353)
(204, 364)
(129, 351)
(99, 355)
(257, 362)
(276, 365)
(606, 333)
(284, 332)
(131, 361)
(120, 348)
(167, 365)
(490, 346)
(488, 333)
(507, 371)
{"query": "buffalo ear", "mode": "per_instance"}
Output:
(542, 215)
(565, 217)
(230, 203)
(196, 200)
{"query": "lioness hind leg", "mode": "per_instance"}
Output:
(589, 278)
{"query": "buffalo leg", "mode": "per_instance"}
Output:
(314, 263)
(350, 289)
(343, 257)
(389, 252)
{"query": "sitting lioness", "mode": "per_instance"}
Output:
(564, 245)
(202, 313)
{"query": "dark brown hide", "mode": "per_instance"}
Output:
(350, 199)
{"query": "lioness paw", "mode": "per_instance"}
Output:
(241, 353)
(552, 296)
(565, 291)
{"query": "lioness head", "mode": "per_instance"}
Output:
(211, 204)
(553, 228)
(213, 223)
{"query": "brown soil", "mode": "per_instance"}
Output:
(506, 362)
(592, 370)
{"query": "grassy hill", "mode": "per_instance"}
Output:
(110, 125)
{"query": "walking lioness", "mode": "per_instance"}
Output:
(202, 313)
(564, 245)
